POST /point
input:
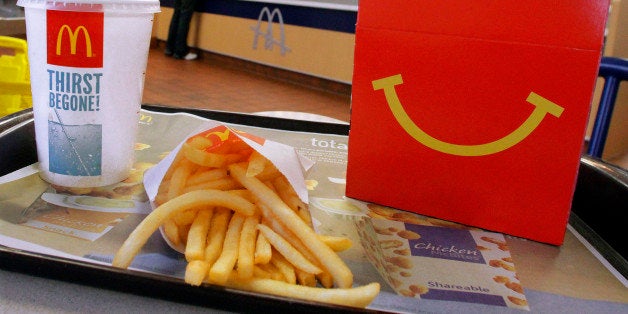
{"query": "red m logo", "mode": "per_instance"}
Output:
(75, 38)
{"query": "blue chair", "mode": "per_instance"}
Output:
(614, 71)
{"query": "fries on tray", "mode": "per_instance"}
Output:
(241, 223)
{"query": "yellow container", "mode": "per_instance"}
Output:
(15, 89)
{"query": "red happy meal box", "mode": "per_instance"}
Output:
(474, 111)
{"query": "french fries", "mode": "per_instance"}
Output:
(246, 249)
(337, 244)
(197, 235)
(288, 251)
(151, 223)
(356, 297)
(240, 224)
(263, 250)
(221, 269)
(342, 275)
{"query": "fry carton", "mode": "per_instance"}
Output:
(284, 158)
(474, 112)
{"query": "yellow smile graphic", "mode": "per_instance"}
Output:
(543, 106)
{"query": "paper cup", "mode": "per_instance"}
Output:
(87, 62)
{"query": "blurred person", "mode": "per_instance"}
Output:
(176, 45)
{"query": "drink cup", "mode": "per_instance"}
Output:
(87, 64)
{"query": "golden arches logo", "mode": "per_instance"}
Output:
(269, 41)
(221, 133)
(146, 119)
(542, 107)
(73, 34)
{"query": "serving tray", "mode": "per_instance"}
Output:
(17, 150)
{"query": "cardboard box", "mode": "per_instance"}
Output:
(474, 111)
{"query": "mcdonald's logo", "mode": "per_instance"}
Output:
(146, 119)
(75, 38)
(269, 41)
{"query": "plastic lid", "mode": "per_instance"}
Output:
(118, 6)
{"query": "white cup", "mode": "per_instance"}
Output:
(87, 64)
